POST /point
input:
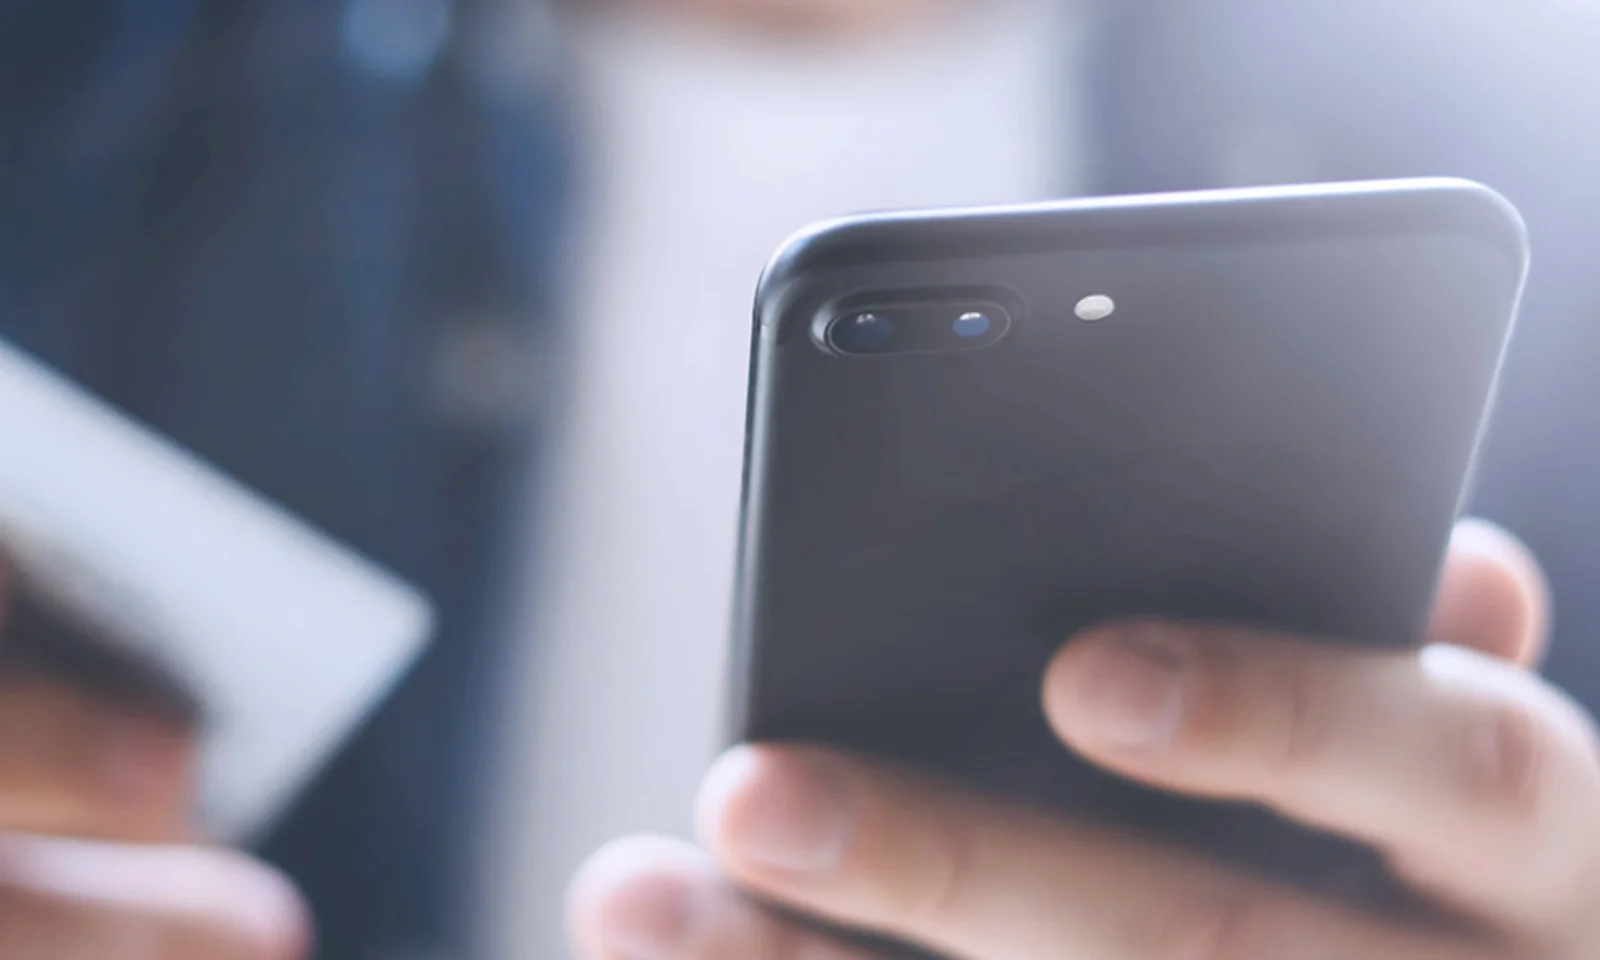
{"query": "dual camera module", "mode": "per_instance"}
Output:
(934, 323)
(935, 326)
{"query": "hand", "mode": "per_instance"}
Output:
(1479, 781)
(810, 18)
(95, 857)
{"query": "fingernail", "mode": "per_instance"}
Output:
(785, 812)
(1131, 690)
(652, 918)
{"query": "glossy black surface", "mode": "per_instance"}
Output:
(1274, 428)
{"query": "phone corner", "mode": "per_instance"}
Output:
(1484, 211)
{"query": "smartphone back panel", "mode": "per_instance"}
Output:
(1273, 428)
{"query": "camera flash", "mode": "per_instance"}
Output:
(1096, 308)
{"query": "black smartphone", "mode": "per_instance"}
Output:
(974, 433)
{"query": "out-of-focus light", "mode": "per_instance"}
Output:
(1589, 7)
(396, 39)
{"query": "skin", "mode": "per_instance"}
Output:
(806, 19)
(1478, 780)
(98, 855)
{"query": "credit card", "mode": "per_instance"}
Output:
(283, 640)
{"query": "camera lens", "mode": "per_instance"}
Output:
(970, 326)
(914, 323)
(863, 333)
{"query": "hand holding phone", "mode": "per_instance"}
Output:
(1494, 849)
(1214, 445)
(974, 434)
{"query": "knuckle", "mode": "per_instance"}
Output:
(812, 947)
(227, 940)
(1251, 927)
(39, 925)
(31, 925)
(948, 841)
(1305, 725)
(1228, 927)
(1507, 758)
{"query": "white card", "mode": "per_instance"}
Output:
(288, 639)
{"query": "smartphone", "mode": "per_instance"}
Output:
(142, 575)
(974, 433)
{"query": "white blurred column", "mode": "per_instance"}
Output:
(702, 153)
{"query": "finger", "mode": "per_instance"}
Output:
(811, 18)
(1477, 778)
(896, 855)
(650, 898)
(63, 898)
(1492, 596)
(72, 766)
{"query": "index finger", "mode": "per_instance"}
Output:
(61, 898)
(1475, 778)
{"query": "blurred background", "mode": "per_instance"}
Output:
(466, 283)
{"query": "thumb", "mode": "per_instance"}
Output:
(1492, 596)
